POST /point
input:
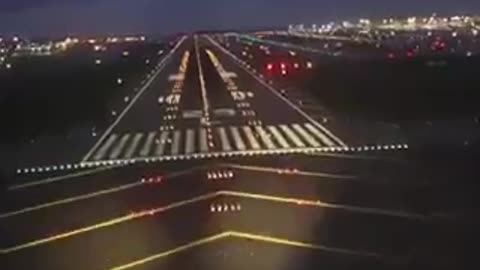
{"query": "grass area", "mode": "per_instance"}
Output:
(399, 90)
(50, 95)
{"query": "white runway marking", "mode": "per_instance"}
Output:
(319, 135)
(291, 135)
(224, 139)
(235, 140)
(176, 142)
(162, 143)
(307, 137)
(103, 150)
(251, 138)
(265, 137)
(117, 150)
(239, 144)
(133, 146)
(277, 94)
(278, 136)
(203, 140)
(148, 144)
(190, 142)
(162, 65)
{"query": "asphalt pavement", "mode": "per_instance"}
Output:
(210, 167)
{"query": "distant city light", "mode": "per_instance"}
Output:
(364, 21)
(98, 61)
(119, 81)
(309, 65)
(15, 39)
(125, 53)
(8, 66)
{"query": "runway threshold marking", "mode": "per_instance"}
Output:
(278, 136)
(276, 93)
(103, 150)
(117, 150)
(148, 143)
(154, 211)
(248, 236)
(162, 65)
(239, 144)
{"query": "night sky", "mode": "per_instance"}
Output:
(58, 17)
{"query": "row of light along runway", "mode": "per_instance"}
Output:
(193, 143)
